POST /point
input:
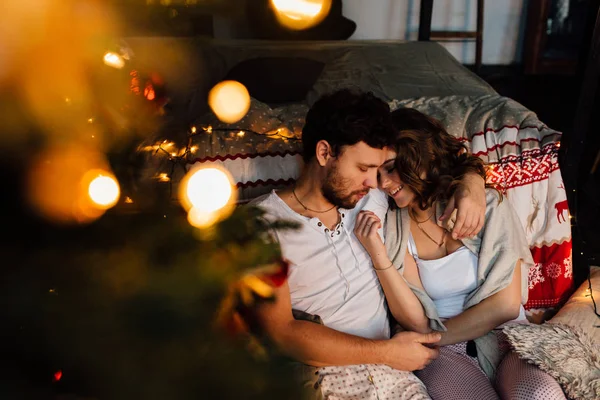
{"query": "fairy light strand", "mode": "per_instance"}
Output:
(183, 159)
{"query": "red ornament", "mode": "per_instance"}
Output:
(279, 277)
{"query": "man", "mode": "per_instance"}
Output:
(331, 275)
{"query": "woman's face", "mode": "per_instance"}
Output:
(390, 182)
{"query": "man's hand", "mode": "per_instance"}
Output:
(410, 351)
(469, 200)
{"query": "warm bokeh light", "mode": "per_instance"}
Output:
(49, 49)
(209, 195)
(209, 189)
(163, 177)
(229, 100)
(59, 184)
(300, 14)
(104, 191)
(114, 60)
(202, 219)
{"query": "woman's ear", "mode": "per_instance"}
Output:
(323, 152)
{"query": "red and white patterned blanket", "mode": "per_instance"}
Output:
(522, 154)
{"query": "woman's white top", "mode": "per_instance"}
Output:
(450, 279)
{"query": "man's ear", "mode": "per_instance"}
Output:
(323, 152)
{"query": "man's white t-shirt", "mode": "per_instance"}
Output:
(331, 274)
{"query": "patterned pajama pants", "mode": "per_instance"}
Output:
(370, 382)
(455, 375)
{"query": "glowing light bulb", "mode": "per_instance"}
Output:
(104, 191)
(114, 60)
(202, 219)
(61, 184)
(209, 189)
(163, 177)
(229, 100)
(300, 14)
(209, 196)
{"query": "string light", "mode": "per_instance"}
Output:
(229, 100)
(71, 184)
(202, 219)
(113, 60)
(300, 14)
(163, 177)
(208, 189)
(103, 190)
(182, 156)
(208, 194)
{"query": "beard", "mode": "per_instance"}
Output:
(335, 190)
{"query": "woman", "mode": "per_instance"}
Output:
(466, 289)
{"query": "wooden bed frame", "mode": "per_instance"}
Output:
(426, 34)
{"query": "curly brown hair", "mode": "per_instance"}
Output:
(429, 160)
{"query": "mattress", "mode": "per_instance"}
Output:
(390, 69)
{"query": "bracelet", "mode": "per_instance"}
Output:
(383, 269)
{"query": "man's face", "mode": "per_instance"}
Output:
(352, 174)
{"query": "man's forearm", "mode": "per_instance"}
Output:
(320, 346)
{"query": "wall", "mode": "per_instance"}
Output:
(504, 24)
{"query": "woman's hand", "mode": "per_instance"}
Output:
(469, 199)
(367, 225)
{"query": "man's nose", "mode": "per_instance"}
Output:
(371, 181)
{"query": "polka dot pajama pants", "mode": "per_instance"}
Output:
(370, 382)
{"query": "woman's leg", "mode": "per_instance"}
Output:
(456, 376)
(518, 380)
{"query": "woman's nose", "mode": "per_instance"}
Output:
(383, 181)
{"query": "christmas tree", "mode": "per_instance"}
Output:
(109, 289)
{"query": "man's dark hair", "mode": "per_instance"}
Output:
(344, 118)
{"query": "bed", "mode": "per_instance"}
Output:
(262, 151)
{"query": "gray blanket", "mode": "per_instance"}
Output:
(499, 245)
